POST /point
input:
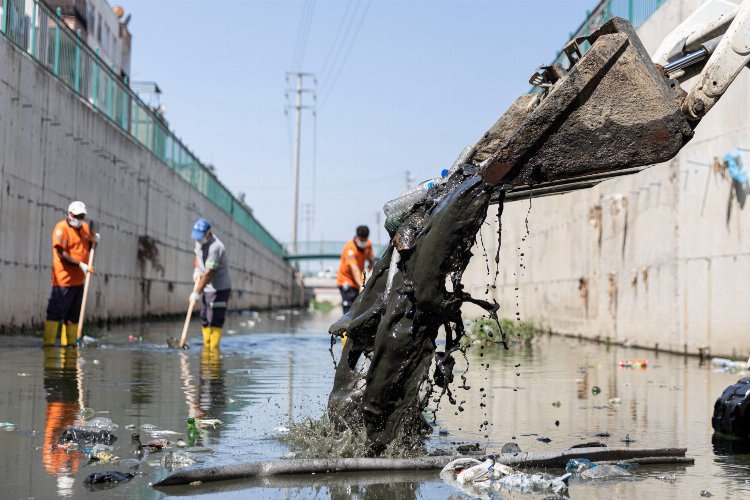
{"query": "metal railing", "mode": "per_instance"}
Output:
(35, 28)
(322, 250)
(635, 11)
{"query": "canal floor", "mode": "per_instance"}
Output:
(279, 365)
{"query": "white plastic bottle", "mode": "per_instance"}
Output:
(395, 210)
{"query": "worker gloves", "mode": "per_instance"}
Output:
(195, 297)
(85, 268)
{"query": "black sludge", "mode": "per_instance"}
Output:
(395, 320)
(107, 477)
(87, 437)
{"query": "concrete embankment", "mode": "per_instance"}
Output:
(657, 259)
(54, 147)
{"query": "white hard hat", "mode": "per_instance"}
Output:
(77, 208)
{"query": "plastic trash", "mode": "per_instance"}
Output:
(556, 404)
(89, 340)
(596, 390)
(668, 478)
(395, 210)
(208, 423)
(478, 473)
(110, 476)
(87, 437)
(633, 363)
(8, 426)
(728, 364)
(605, 471)
(706, 493)
(156, 444)
(471, 471)
(615, 401)
(733, 161)
(101, 423)
(578, 465)
(193, 432)
(535, 483)
(177, 459)
(732, 410)
(149, 427)
(86, 413)
(180, 443)
(101, 453)
(455, 467)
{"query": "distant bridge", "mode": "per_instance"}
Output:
(321, 250)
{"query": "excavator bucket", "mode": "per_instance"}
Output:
(613, 111)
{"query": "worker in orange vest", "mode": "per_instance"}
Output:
(350, 276)
(71, 245)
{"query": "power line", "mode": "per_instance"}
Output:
(303, 34)
(353, 40)
(335, 44)
(339, 47)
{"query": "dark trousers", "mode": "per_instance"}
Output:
(64, 303)
(214, 308)
(348, 294)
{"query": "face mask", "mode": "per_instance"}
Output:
(204, 240)
(76, 223)
(360, 244)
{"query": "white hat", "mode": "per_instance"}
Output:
(77, 208)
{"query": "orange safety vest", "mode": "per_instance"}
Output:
(77, 242)
(352, 254)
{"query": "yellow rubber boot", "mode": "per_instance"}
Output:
(206, 336)
(69, 335)
(50, 332)
(215, 337)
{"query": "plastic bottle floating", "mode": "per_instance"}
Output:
(634, 363)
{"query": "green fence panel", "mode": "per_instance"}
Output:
(35, 28)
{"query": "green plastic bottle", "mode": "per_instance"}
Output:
(193, 432)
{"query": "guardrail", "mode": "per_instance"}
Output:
(322, 250)
(39, 31)
(635, 11)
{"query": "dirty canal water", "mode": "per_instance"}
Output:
(277, 365)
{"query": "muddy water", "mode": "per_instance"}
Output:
(282, 365)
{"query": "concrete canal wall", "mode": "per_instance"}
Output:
(54, 147)
(659, 259)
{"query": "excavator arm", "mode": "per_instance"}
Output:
(613, 111)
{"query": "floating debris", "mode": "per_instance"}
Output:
(86, 413)
(596, 390)
(177, 459)
(87, 437)
(208, 423)
(110, 476)
(605, 471)
(101, 423)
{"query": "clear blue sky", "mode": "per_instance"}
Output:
(422, 80)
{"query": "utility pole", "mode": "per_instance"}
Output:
(307, 218)
(298, 108)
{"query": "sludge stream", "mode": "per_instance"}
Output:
(265, 367)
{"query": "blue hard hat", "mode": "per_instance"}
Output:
(200, 228)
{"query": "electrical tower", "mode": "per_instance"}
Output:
(298, 107)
